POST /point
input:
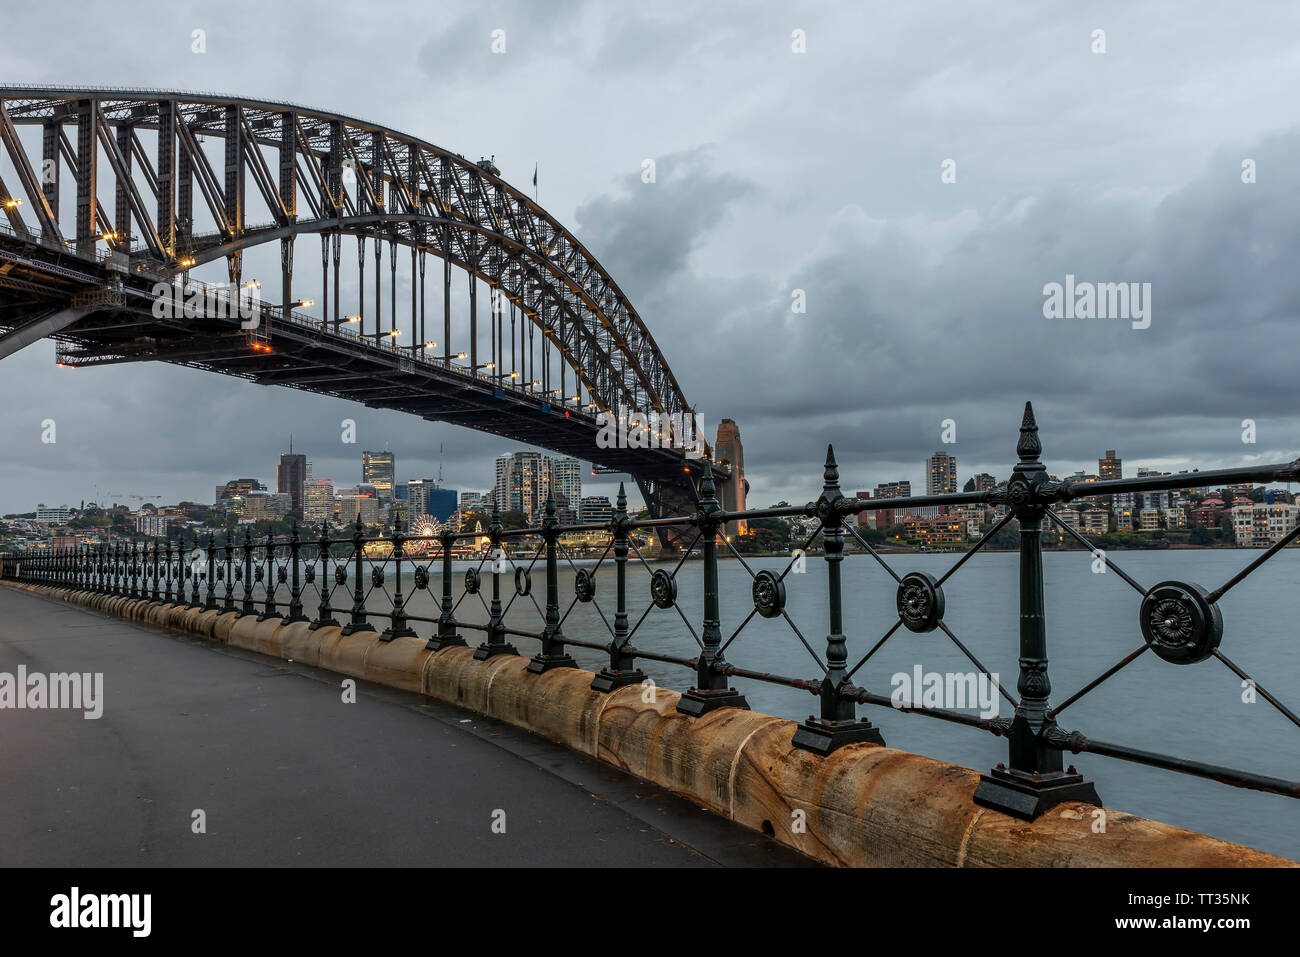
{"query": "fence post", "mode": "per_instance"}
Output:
(447, 636)
(358, 622)
(552, 654)
(323, 616)
(711, 690)
(495, 643)
(397, 626)
(247, 607)
(196, 574)
(1035, 780)
(210, 598)
(622, 669)
(838, 724)
(228, 604)
(295, 581)
(270, 572)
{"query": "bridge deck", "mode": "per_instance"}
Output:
(287, 774)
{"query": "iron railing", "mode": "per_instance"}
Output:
(300, 579)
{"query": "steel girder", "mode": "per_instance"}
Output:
(407, 191)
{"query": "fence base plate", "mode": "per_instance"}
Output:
(351, 629)
(607, 679)
(1026, 797)
(823, 737)
(488, 649)
(439, 642)
(696, 702)
(540, 664)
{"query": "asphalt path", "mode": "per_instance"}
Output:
(285, 773)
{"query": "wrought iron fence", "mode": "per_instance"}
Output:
(324, 581)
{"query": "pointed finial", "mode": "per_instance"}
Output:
(707, 489)
(1028, 448)
(831, 475)
(621, 501)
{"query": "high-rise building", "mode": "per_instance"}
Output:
(318, 501)
(1110, 467)
(521, 483)
(729, 452)
(290, 476)
(380, 470)
(566, 483)
(940, 474)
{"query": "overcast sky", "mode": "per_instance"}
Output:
(777, 171)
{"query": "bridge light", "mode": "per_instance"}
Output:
(186, 263)
(462, 355)
(109, 237)
(489, 365)
(535, 383)
(395, 333)
(12, 202)
(350, 319)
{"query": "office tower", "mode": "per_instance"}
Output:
(290, 476)
(379, 469)
(940, 474)
(318, 501)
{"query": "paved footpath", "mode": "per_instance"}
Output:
(287, 774)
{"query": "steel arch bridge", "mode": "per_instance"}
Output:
(187, 172)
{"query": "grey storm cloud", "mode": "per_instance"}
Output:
(778, 172)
